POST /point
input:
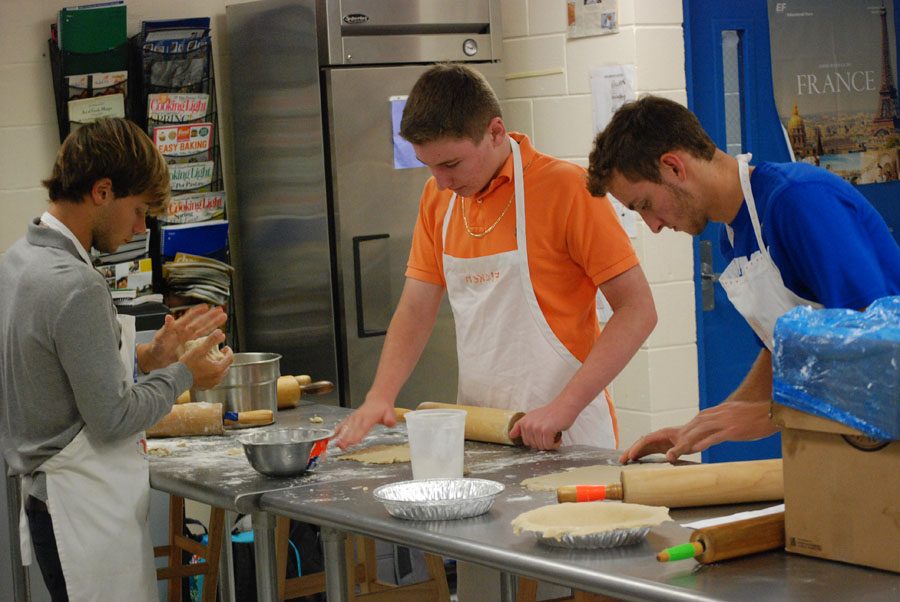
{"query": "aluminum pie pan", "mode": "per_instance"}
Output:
(592, 541)
(590, 525)
(438, 499)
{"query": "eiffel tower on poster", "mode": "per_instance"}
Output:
(886, 121)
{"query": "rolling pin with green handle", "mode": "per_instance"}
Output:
(730, 540)
(692, 485)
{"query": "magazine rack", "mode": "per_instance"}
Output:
(177, 67)
(171, 68)
(63, 64)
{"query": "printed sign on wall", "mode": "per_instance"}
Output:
(834, 76)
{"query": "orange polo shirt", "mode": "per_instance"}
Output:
(575, 241)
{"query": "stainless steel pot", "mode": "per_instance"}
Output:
(251, 383)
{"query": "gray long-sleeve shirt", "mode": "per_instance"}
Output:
(59, 356)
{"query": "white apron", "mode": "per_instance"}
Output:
(509, 357)
(755, 286)
(98, 495)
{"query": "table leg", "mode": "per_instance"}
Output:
(226, 564)
(264, 551)
(507, 587)
(335, 564)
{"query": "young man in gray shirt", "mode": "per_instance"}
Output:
(72, 415)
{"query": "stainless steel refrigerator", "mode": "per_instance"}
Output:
(322, 220)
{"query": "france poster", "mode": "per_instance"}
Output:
(834, 75)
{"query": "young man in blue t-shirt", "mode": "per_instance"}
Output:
(794, 234)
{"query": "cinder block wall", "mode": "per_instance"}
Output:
(549, 99)
(659, 387)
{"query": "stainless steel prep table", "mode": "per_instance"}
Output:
(632, 573)
(338, 496)
(214, 471)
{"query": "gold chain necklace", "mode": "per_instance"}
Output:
(489, 229)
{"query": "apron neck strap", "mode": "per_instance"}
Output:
(744, 174)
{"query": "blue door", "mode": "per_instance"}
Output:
(729, 85)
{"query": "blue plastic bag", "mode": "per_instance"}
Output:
(843, 365)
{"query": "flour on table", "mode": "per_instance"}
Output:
(586, 518)
(379, 454)
(159, 452)
(599, 474)
(234, 451)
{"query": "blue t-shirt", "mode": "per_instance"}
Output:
(830, 245)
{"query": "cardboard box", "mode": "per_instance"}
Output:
(841, 491)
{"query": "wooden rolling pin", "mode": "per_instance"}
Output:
(482, 424)
(289, 390)
(203, 419)
(730, 540)
(693, 485)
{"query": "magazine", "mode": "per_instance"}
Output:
(174, 29)
(86, 110)
(135, 276)
(184, 140)
(176, 108)
(195, 207)
(191, 176)
(198, 277)
(133, 249)
(178, 66)
(91, 85)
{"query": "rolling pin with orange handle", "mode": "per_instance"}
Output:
(693, 485)
(730, 540)
(203, 419)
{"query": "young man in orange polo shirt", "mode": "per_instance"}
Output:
(520, 247)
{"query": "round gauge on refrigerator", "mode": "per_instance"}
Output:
(470, 47)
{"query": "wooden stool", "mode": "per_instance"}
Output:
(361, 573)
(527, 592)
(175, 571)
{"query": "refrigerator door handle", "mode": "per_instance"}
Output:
(361, 330)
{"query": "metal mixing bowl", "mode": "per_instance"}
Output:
(285, 452)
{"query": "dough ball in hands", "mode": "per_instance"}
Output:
(214, 354)
(207, 363)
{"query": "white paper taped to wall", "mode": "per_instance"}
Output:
(611, 87)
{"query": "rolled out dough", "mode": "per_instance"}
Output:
(379, 454)
(586, 518)
(598, 474)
